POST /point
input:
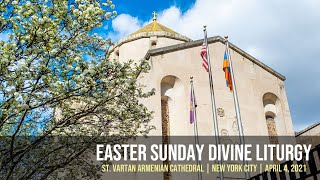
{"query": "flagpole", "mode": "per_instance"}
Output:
(236, 103)
(213, 103)
(195, 124)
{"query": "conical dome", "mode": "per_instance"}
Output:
(137, 44)
(155, 27)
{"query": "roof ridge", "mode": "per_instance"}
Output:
(307, 128)
(213, 39)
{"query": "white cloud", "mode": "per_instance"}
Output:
(124, 25)
(170, 16)
(248, 23)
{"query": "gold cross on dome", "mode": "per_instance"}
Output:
(154, 16)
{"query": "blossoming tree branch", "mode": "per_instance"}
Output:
(55, 81)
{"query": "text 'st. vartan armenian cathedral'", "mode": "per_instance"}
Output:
(174, 58)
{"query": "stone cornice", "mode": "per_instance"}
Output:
(134, 37)
(167, 49)
(307, 129)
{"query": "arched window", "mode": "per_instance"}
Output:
(174, 104)
(117, 54)
(172, 100)
(167, 84)
(270, 101)
(153, 44)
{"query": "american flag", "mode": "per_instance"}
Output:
(204, 56)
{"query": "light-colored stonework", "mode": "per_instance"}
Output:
(175, 58)
(310, 135)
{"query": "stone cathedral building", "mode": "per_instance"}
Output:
(174, 58)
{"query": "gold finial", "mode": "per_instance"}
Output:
(154, 16)
(226, 36)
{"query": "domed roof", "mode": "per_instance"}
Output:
(154, 27)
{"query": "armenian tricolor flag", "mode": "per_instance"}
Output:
(226, 69)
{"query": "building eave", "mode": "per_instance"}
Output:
(307, 129)
(215, 39)
(141, 35)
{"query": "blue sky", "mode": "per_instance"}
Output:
(141, 12)
(285, 35)
(143, 8)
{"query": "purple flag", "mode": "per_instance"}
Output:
(193, 103)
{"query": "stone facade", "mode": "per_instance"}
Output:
(174, 59)
(310, 135)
